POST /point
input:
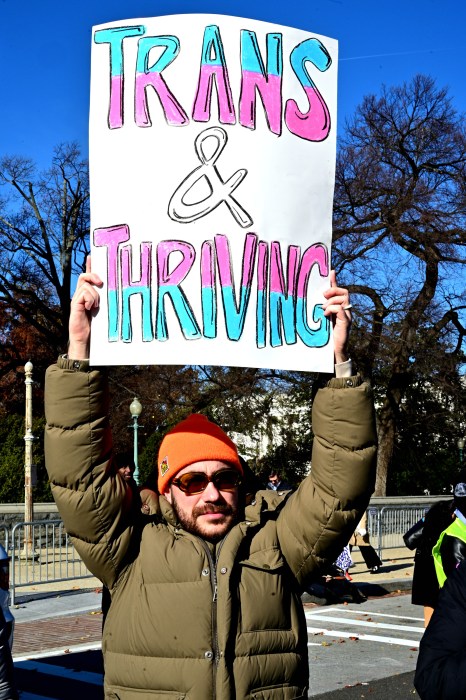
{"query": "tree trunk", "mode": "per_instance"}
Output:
(386, 431)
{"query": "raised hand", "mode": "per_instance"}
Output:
(85, 300)
(338, 305)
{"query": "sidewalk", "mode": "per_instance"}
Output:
(394, 576)
(57, 622)
(59, 618)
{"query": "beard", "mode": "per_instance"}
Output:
(212, 532)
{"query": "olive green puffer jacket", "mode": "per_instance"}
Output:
(188, 619)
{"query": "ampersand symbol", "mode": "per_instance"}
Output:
(220, 191)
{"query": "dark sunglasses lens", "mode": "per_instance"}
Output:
(193, 483)
(226, 480)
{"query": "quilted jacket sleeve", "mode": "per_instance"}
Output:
(94, 504)
(441, 665)
(320, 517)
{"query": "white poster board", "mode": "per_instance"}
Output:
(212, 163)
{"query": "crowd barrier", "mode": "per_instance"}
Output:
(42, 552)
(388, 524)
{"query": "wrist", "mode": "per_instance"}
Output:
(78, 351)
(341, 356)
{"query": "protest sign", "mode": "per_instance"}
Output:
(212, 158)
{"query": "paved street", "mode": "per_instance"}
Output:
(354, 645)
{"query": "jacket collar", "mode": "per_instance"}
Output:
(167, 512)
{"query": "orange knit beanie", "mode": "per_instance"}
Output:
(195, 439)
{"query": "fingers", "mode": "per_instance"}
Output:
(88, 278)
(339, 305)
(339, 315)
(337, 298)
(87, 295)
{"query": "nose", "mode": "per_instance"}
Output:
(211, 493)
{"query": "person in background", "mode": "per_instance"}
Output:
(425, 587)
(7, 686)
(441, 664)
(344, 562)
(124, 464)
(450, 549)
(206, 592)
(143, 498)
(276, 483)
(360, 539)
(334, 585)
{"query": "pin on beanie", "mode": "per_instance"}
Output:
(195, 439)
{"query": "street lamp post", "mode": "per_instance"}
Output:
(29, 471)
(460, 444)
(135, 409)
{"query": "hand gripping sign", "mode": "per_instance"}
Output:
(212, 152)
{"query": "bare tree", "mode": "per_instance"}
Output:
(400, 235)
(44, 233)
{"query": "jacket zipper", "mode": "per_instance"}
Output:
(214, 584)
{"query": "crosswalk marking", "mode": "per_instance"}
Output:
(349, 618)
(366, 637)
(366, 623)
(351, 611)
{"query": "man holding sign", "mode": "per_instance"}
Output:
(206, 592)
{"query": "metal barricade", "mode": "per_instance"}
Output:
(42, 552)
(388, 524)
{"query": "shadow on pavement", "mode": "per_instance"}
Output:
(22, 599)
(398, 687)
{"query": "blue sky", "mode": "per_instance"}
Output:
(45, 54)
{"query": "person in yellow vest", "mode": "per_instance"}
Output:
(450, 549)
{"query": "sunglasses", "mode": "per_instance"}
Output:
(193, 483)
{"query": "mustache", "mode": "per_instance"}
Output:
(223, 508)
